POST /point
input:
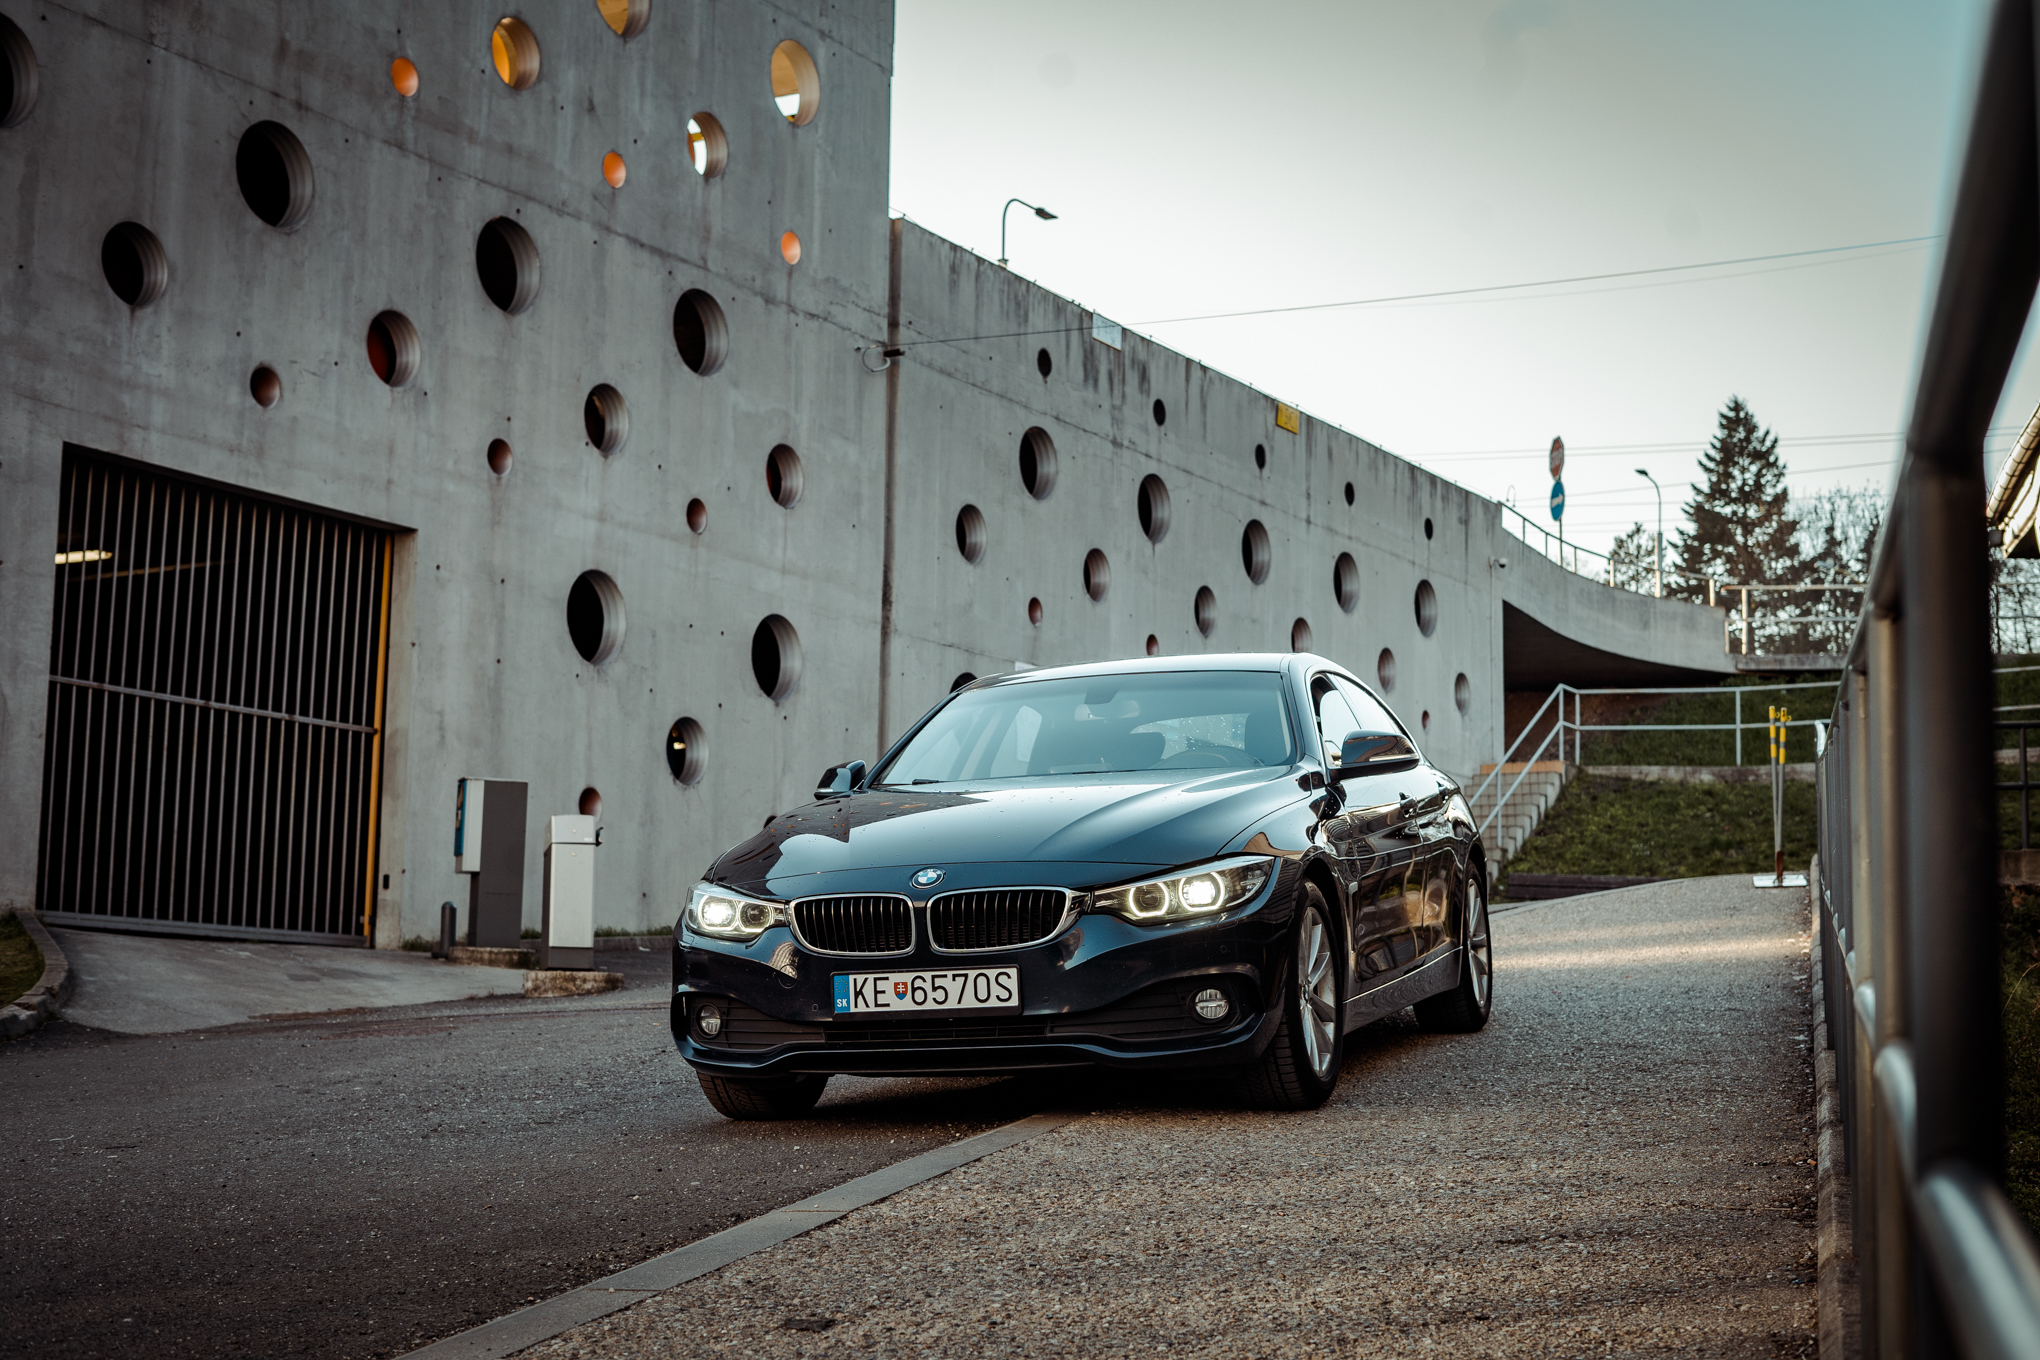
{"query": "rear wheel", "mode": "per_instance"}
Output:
(1466, 1007)
(763, 1097)
(1301, 1066)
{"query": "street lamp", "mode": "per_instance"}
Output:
(1042, 213)
(1660, 530)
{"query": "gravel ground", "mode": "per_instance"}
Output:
(1619, 1164)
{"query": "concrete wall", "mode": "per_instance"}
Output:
(140, 111)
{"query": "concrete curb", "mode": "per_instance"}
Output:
(614, 1293)
(46, 999)
(1835, 1276)
(570, 982)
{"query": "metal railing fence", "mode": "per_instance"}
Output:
(1907, 893)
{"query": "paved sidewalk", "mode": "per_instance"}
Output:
(159, 984)
(1618, 1165)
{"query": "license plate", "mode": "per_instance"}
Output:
(951, 989)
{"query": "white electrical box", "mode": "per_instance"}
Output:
(568, 937)
(467, 825)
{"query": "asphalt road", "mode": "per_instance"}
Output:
(360, 1185)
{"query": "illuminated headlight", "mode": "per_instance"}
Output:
(1214, 887)
(713, 911)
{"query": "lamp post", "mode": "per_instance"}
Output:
(1042, 213)
(1660, 529)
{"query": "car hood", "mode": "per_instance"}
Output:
(1069, 830)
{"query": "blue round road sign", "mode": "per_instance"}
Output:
(1558, 500)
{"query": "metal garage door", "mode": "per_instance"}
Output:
(216, 689)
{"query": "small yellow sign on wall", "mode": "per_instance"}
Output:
(1286, 417)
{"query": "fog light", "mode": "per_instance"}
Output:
(709, 1020)
(1211, 1004)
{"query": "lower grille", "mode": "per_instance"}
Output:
(1004, 918)
(750, 1029)
(855, 925)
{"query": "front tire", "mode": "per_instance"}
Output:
(762, 1098)
(1466, 1008)
(1301, 1066)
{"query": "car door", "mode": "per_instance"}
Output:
(1374, 848)
(1422, 798)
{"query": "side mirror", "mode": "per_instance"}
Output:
(1373, 753)
(838, 780)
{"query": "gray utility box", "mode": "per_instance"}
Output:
(567, 940)
(488, 845)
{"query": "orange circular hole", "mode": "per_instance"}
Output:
(265, 387)
(1034, 612)
(404, 75)
(789, 246)
(499, 456)
(612, 170)
(697, 515)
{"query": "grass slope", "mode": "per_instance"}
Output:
(21, 963)
(1640, 828)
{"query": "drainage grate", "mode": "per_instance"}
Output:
(211, 761)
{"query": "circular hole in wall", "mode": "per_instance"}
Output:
(1097, 574)
(265, 387)
(1425, 720)
(1346, 582)
(962, 678)
(275, 175)
(606, 419)
(19, 74)
(1254, 552)
(1384, 670)
(697, 514)
(1153, 507)
(1154, 645)
(595, 616)
(404, 76)
(700, 332)
(614, 170)
(1037, 463)
(789, 248)
(775, 657)
(590, 803)
(136, 267)
(393, 348)
(1043, 363)
(506, 261)
(1427, 526)
(1299, 636)
(970, 533)
(1261, 456)
(1349, 493)
(626, 19)
(1462, 692)
(1161, 412)
(514, 48)
(708, 150)
(783, 477)
(1034, 612)
(1427, 609)
(683, 750)
(1205, 610)
(796, 85)
(499, 456)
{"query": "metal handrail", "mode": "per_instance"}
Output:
(1906, 893)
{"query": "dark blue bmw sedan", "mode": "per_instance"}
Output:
(1220, 862)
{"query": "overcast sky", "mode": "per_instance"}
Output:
(1212, 158)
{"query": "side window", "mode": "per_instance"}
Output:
(1335, 718)
(1374, 715)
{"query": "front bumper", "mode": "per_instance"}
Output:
(1102, 993)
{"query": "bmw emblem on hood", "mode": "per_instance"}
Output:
(927, 878)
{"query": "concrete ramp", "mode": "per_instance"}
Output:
(1562, 628)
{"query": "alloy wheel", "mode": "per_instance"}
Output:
(1480, 954)
(1317, 988)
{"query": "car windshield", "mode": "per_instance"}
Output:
(1176, 720)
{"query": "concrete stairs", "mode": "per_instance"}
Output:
(1525, 808)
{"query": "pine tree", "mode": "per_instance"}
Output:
(1742, 529)
(1632, 563)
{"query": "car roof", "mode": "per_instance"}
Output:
(1152, 665)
